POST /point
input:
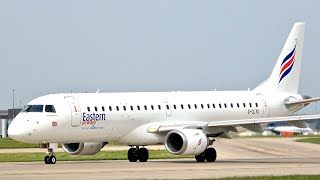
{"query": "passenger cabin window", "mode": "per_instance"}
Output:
(167, 107)
(208, 106)
(189, 106)
(181, 106)
(159, 106)
(102, 108)
(238, 105)
(88, 108)
(95, 108)
(50, 108)
(250, 104)
(256, 104)
(124, 108)
(213, 105)
(138, 107)
(117, 107)
(244, 105)
(219, 105)
(131, 107)
(231, 105)
(225, 105)
(33, 108)
(202, 106)
(195, 106)
(152, 107)
(174, 106)
(110, 108)
(145, 107)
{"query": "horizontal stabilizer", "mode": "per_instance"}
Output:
(303, 102)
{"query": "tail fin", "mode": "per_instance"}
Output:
(286, 73)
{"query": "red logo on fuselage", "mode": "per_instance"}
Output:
(54, 123)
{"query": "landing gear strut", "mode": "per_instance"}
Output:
(210, 154)
(50, 158)
(137, 153)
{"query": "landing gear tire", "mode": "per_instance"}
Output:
(52, 159)
(143, 155)
(210, 155)
(135, 154)
(132, 155)
(46, 160)
(200, 158)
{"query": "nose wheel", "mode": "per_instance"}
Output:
(50, 158)
(135, 154)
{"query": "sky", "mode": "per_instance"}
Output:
(169, 45)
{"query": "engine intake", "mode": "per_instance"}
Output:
(89, 148)
(186, 141)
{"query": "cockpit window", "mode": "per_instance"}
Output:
(50, 108)
(33, 108)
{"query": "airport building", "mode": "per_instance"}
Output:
(6, 116)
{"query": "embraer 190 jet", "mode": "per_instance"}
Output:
(187, 123)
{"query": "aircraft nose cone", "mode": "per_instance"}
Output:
(16, 131)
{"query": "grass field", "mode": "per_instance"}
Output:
(102, 155)
(315, 140)
(295, 177)
(7, 143)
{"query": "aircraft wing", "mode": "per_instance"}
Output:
(263, 120)
(251, 124)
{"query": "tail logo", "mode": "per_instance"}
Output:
(287, 64)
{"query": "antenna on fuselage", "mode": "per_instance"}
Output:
(98, 91)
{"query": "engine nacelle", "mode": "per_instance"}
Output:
(89, 148)
(186, 141)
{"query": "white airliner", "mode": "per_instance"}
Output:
(278, 129)
(185, 122)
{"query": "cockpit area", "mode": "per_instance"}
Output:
(39, 108)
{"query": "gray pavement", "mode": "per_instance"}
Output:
(236, 157)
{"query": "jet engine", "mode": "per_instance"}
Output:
(186, 142)
(88, 148)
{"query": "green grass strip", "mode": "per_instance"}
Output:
(7, 143)
(102, 155)
(292, 177)
(314, 140)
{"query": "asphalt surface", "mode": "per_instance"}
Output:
(236, 157)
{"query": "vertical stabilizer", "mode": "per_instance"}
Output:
(286, 73)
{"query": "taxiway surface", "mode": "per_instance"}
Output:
(236, 157)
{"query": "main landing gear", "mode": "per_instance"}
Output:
(137, 153)
(210, 154)
(50, 158)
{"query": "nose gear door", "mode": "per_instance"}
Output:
(75, 111)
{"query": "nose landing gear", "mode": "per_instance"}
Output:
(50, 158)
